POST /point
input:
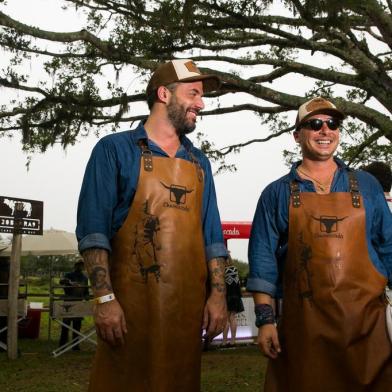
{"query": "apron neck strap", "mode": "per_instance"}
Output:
(146, 154)
(147, 158)
(354, 189)
(295, 194)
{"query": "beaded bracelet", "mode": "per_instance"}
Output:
(264, 315)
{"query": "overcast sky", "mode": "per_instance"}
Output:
(55, 177)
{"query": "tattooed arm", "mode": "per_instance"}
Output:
(108, 317)
(215, 311)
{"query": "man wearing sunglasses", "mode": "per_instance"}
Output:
(320, 257)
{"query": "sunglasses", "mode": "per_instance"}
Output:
(315, 124)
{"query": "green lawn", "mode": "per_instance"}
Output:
(235, 369)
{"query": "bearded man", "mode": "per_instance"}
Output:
(148, 216)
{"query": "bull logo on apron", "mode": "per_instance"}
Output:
(177, 193)
(329, 224)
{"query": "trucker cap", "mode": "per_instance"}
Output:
(316, 105)
(184, 70)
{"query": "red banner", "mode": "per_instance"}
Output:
(236, 230)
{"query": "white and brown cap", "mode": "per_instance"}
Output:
(316, 105)
(184, 70)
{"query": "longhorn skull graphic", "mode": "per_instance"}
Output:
(178, 192)
(329, 222)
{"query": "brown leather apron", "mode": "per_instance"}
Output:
(332, 331)
(158, 271)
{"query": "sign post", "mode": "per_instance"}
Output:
(13, 286)
(17, 216)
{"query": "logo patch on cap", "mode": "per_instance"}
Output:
(316, 103)
(191, 67)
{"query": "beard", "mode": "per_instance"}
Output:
(177, 116)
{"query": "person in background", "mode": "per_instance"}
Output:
(234, 302)
(321, 238)
(75, 289)
(383, 173)
(150, 234)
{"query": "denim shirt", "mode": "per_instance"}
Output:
(269, 235)
(110, 183)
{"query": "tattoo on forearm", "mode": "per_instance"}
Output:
(96, 261)
(98, 278)
(220, 262)
(218, 286)
(94, 257)
(217, 274)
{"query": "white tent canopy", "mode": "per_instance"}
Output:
(51, 243)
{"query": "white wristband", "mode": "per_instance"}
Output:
(104, 298)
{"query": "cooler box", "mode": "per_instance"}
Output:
(29, 327)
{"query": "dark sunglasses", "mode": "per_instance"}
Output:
(315, 124)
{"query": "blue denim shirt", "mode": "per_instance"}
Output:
(269, 235)
(110, 183)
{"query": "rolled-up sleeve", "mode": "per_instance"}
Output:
(98, 197)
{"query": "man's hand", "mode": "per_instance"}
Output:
(268, 340)
(110, 322)
(108, 316)
(215, 310)
(215, 315)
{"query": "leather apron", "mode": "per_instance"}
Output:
(158, 271)
(332, 330)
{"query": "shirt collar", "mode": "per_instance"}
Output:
(140, 133)
(293, 175)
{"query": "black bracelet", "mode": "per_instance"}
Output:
(264, 315)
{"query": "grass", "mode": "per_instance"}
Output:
(235, 369)
(36, 370)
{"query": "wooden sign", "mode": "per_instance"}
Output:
(21, 215)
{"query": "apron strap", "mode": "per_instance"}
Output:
(295, 194)
(147, 159)
(146, 155)
(354, 189)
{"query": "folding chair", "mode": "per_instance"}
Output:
(22, 312)
(72, 309)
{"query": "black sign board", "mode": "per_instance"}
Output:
(21, 215)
